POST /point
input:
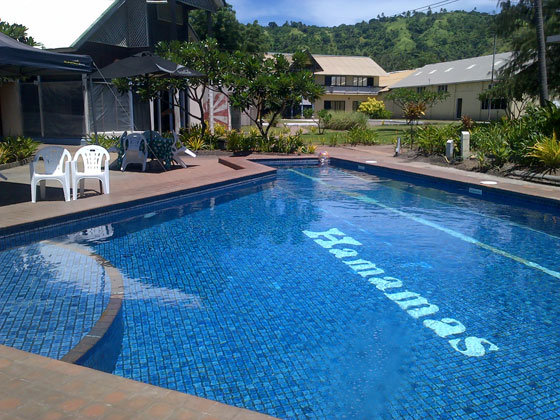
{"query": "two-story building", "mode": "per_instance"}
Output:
(348, 81)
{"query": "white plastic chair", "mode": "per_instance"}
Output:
(133, 152)
(176, 151)
(56, 161)
(96, 166)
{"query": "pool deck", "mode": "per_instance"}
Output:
(35, 387)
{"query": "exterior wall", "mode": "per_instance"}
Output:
(10, 104)
(447, 110)
(354, 93)
(348, 99)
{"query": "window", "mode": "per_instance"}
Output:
(355, 105)
(360, 81)
(420, 89)
(442, 88)
(496, 104)
(335, 105)
(338, 80)
(339, 105)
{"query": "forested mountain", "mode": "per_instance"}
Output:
(396, 43)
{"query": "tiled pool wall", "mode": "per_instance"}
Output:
(64, 225)
(474, 190)
(104, 354)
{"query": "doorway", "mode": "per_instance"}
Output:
(459, 108)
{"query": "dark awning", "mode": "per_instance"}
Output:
(18, 59)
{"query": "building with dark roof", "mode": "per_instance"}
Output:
(58, 107)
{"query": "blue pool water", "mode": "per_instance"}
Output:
(334, 294)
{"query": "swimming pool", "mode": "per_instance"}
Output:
(333, 293)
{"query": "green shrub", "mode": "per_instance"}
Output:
(234, 141)
(431, 139)
(285, 143)
(335, 139)
(361, 135)
(13, 149)
(104, 140)
(346, 120)
(547, 153)
(324, 118)
(491, 142)
(308, 113)
(374, 108)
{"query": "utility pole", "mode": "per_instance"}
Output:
(541, 52)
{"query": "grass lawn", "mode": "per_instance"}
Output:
(386, 134)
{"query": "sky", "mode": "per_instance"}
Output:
(337, 12)
(58, 23)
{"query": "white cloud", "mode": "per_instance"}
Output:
(54, 23)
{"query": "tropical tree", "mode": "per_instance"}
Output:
(225, 28)
(414, 104)
(204, 57)
(268, 84)
(516, 24)
(18, 32)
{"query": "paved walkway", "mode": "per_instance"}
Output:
(36, 388)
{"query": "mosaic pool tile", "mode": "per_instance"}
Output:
(228, 299)
(50, 297)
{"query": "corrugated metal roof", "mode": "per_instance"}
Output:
(475, 69)
(393, 77)
(340, 65)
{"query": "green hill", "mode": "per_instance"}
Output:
(396, 43)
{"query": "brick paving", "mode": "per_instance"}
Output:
(37, 388)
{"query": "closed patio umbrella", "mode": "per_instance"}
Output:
(144, 64)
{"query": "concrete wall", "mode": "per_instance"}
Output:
(447, 110)
(10, 105)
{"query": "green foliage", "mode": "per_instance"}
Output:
(269, 84)
(13, 149)
(361, 135)
(491, 142)
(374, 108)
(308, 113)
(18, 32)
(547, 153)
(395, 43)
(346, 120)
(104, 140)
(193, 137)
(516, 23)
(324, 117)
(432, 139)
(234, 141)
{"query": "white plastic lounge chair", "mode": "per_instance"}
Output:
(96, 166)
(56, 160)
(133, 153)
(176, 151)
